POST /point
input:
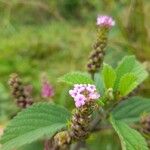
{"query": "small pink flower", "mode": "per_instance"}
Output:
(94, 96)
(73, 93)
(81, 89)
(80, 100)
(91, 88)
(83, 93)
(105, 21)
(47, 90)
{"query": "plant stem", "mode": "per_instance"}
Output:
(80, 144)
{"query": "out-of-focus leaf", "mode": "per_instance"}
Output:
(131, 109)
(104, 140)
(129, 64)
(38, 145)
(130, 138)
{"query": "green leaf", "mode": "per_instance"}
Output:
(99, 83)
(127, 83)
(131, 109)
(38, 145)
(103, 140)
(129, 64)
(76, 78)
(36, 122)
(109, 76)
(130, 138)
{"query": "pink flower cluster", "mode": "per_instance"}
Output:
(83, 93)
(105, 21)
(47, 90)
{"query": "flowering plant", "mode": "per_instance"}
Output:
(104, 98)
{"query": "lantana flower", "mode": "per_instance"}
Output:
(105, 21)
(83, 93)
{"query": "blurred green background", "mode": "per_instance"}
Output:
(56, 36)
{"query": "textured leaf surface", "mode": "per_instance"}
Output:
(76, 78)
(130, 138)
(131, 109)
(127, 83)
(37, 121)
(129, 64)
(109, 76)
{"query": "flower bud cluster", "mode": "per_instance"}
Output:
(62, 141)
(95, 61)
(85, 96)
(47, 90)
(21, 93)
(104, 24)
(145, 122)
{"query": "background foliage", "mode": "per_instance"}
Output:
(55, 36)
